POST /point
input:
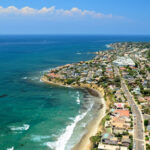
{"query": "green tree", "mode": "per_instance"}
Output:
(95, 140)
(148, 54)
(70, 81)
(145, 122)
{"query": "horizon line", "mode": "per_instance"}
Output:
(74, 34)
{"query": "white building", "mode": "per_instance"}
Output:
(124, 61)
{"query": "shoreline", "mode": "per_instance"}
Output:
(94, 126)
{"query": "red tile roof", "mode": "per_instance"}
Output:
(122, 112)
(122, 68)
(52, 75)
(147, 98)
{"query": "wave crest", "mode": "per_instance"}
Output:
(60, 144)
(24, 127)
(78, 98)
(12, 148)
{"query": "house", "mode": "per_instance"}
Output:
(126, 141)
(147, 99)
(119, 105)
(119, 123)
(109, 69)
(102, 146)
(118, 131)
(133, 68)
(107, 123)
(122, 68)
(84, 74)
(108, 138)
(137, 91)
(141, 99)
(82, 79)
(120, 113)
(124, 61)
(145, 84)
(112, 87)
(52, 75)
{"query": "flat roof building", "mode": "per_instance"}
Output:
(124, 61)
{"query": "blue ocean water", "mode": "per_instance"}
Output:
(36, 116)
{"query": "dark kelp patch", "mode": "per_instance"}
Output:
(3, 95)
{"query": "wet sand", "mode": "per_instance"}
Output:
(93, 127)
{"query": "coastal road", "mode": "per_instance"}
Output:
(138, 124)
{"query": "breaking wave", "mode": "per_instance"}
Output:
(24, 127)
(61, 142)
(25, 78)
(12, 148)
(38, 138)
(78, 98)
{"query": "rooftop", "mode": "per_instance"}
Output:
(124, 61)
(121, 112)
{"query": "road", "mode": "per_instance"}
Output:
(138, 124)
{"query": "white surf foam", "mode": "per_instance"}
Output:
(24, 127)
(25, 78)
(78, 98)
(12, 148)
(38, 138)
(35, 78)
(41, 80)
(71, 118)
(30, 78)
(107, 45)
(60, 144)
(51, 145)
(83, 125)
(45, 71)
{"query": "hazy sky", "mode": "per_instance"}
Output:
(74, 16)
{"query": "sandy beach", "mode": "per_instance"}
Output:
(94, 125)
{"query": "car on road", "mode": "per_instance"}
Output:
(134, 145)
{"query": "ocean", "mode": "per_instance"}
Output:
(37, 116)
